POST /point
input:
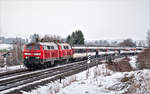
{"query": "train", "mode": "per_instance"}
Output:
(46, 54)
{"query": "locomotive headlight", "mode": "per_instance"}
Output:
(27, 53)
(37, 57)
(37, 53)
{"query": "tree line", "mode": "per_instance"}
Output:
(77, 38)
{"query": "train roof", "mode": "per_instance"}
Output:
(64, 44)
(85, 47)
(48, 43)
(44, 43)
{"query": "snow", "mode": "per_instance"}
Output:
(4, 69)
(18, 87)
(133, 62)
(100, 80)
(5, 46)
(82, 83)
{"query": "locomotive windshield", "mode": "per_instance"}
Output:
(29, 47)
(34, 47)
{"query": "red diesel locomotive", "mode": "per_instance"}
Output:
(39, 55)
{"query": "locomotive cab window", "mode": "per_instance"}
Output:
(49, 47)
(29, 47)
(36, 47)
(66, 47)
(52, 47)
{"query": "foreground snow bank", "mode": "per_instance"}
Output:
(76, 84)
(100, 80)
(137, 82)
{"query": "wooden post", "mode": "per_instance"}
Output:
(60, 79)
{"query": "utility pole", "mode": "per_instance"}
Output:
(97, 54)
(16, 51)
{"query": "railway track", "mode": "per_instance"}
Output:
(17, 80)
(35, 77)
(13, 73)
(18, 72)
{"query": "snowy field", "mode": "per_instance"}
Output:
(100, 80)
(6, 69)
(5, 46)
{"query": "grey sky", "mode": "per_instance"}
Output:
(98, 19)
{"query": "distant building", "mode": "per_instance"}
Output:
(11, 40)
(2, 39)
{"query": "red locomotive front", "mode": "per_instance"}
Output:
(33, 54)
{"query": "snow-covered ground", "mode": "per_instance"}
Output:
(4, 69)
(5, 46)
(133, 62)
(100, 80)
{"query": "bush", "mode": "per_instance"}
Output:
(143, 59)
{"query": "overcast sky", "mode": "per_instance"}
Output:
(98, 19)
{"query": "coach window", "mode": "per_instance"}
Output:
(80, 51)
(48, 47)
(102, 50)
(84, 50)
(52, 47)
(76, 50)
(67, 47)
(64, 47)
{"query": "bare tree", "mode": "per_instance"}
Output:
(127, 43)
(114, 43)
(35, 38)
(141, 44)
(51, 38)
(15, 54)
(17, 51)
(143, 58)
